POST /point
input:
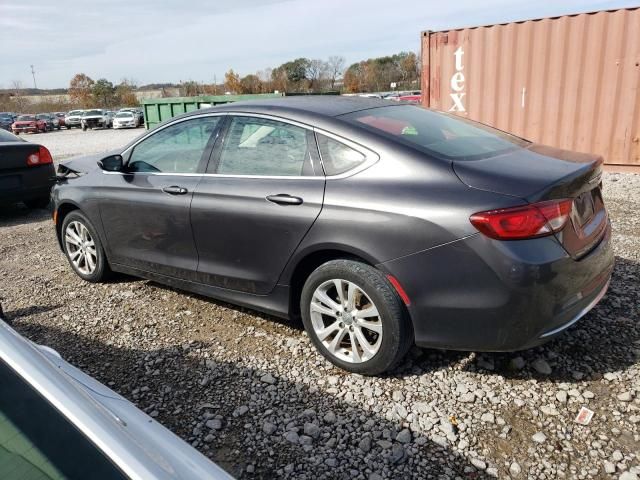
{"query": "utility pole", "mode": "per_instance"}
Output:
(33, 73)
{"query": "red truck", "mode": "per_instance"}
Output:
(28, 123)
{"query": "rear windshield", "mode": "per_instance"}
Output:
(436, 133)
(26, 118)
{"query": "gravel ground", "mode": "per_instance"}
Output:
(250, 391)
(64, 144)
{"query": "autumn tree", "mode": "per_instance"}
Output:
(125, 95)
(190, 88)
(80, 90)
(232, 82)
(250, 84)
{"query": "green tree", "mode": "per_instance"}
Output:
(103, 93)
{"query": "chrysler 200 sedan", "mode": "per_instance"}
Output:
(381, 225)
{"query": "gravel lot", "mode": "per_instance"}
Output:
(65, 144)
(250, 392)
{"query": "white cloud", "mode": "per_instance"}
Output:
(155, 40)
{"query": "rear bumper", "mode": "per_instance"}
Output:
(35, 182)
(480, 294)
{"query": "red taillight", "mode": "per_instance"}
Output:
(527, 221)
(41, 157)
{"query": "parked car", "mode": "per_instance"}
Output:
(50, 120)
(380, 224)
(57, 422)
(60, 116)
(29, 124)
(73, 119)
(26, 172)
(6, 120)
(138, 114)
(125, 119)
(410, 98)
(95, 119)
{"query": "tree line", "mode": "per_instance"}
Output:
(300, 75)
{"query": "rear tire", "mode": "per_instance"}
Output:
(83, 248)
(39, 202)
(84, 128)
(368, 332)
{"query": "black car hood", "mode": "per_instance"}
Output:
(532, 173)
(85, 163)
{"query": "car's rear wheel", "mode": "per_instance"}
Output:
(355, 318)
(83, 248)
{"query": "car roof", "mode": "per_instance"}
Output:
(316, 105)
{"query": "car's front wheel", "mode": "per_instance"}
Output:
(355, 318)
(83, 248)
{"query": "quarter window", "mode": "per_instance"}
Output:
(338, 158)
(257, 146)
(175, 149)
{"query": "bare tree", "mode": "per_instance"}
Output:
(317, 73)
(335, 68)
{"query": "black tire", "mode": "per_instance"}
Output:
(84, 128)
(102, 271)
(38, 202)
(397, 332)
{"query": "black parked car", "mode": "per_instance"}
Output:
(26, 172)
(380, 224)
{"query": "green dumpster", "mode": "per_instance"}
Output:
(157, 110)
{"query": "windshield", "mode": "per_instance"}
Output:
(124, 115)
(435, 133)
(26, 118)
(42, 116)
(38, 442)
(92, 112)
(75, 112)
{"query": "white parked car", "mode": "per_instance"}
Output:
(73, 119)
(125, 119)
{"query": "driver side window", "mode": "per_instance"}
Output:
(175, 149)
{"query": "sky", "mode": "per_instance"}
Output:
(154, 41)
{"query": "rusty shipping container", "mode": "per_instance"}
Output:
(572, 81)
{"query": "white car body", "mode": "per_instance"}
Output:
(125, 120)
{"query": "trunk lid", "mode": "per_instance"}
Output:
(538, 173)
(13, 155)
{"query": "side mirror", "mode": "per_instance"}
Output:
(112, 163)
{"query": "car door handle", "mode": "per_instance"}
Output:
(175, 190)
(284, 199)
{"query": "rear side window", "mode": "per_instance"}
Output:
(259, 146)
(439, 134)
(337, 157)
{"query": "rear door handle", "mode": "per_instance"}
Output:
(175, 190)
(284, 199)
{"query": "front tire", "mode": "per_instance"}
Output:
(83, 248)
(355, 318)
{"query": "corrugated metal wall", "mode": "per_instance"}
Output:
(571, 82)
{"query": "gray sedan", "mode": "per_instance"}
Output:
(380, 224)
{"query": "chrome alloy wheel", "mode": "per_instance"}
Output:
(346, 321)
(80, 247)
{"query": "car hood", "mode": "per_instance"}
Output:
(26, 122)
(140, 446)
(86, 163)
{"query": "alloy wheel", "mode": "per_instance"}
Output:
(81, 248)
(346, 321)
